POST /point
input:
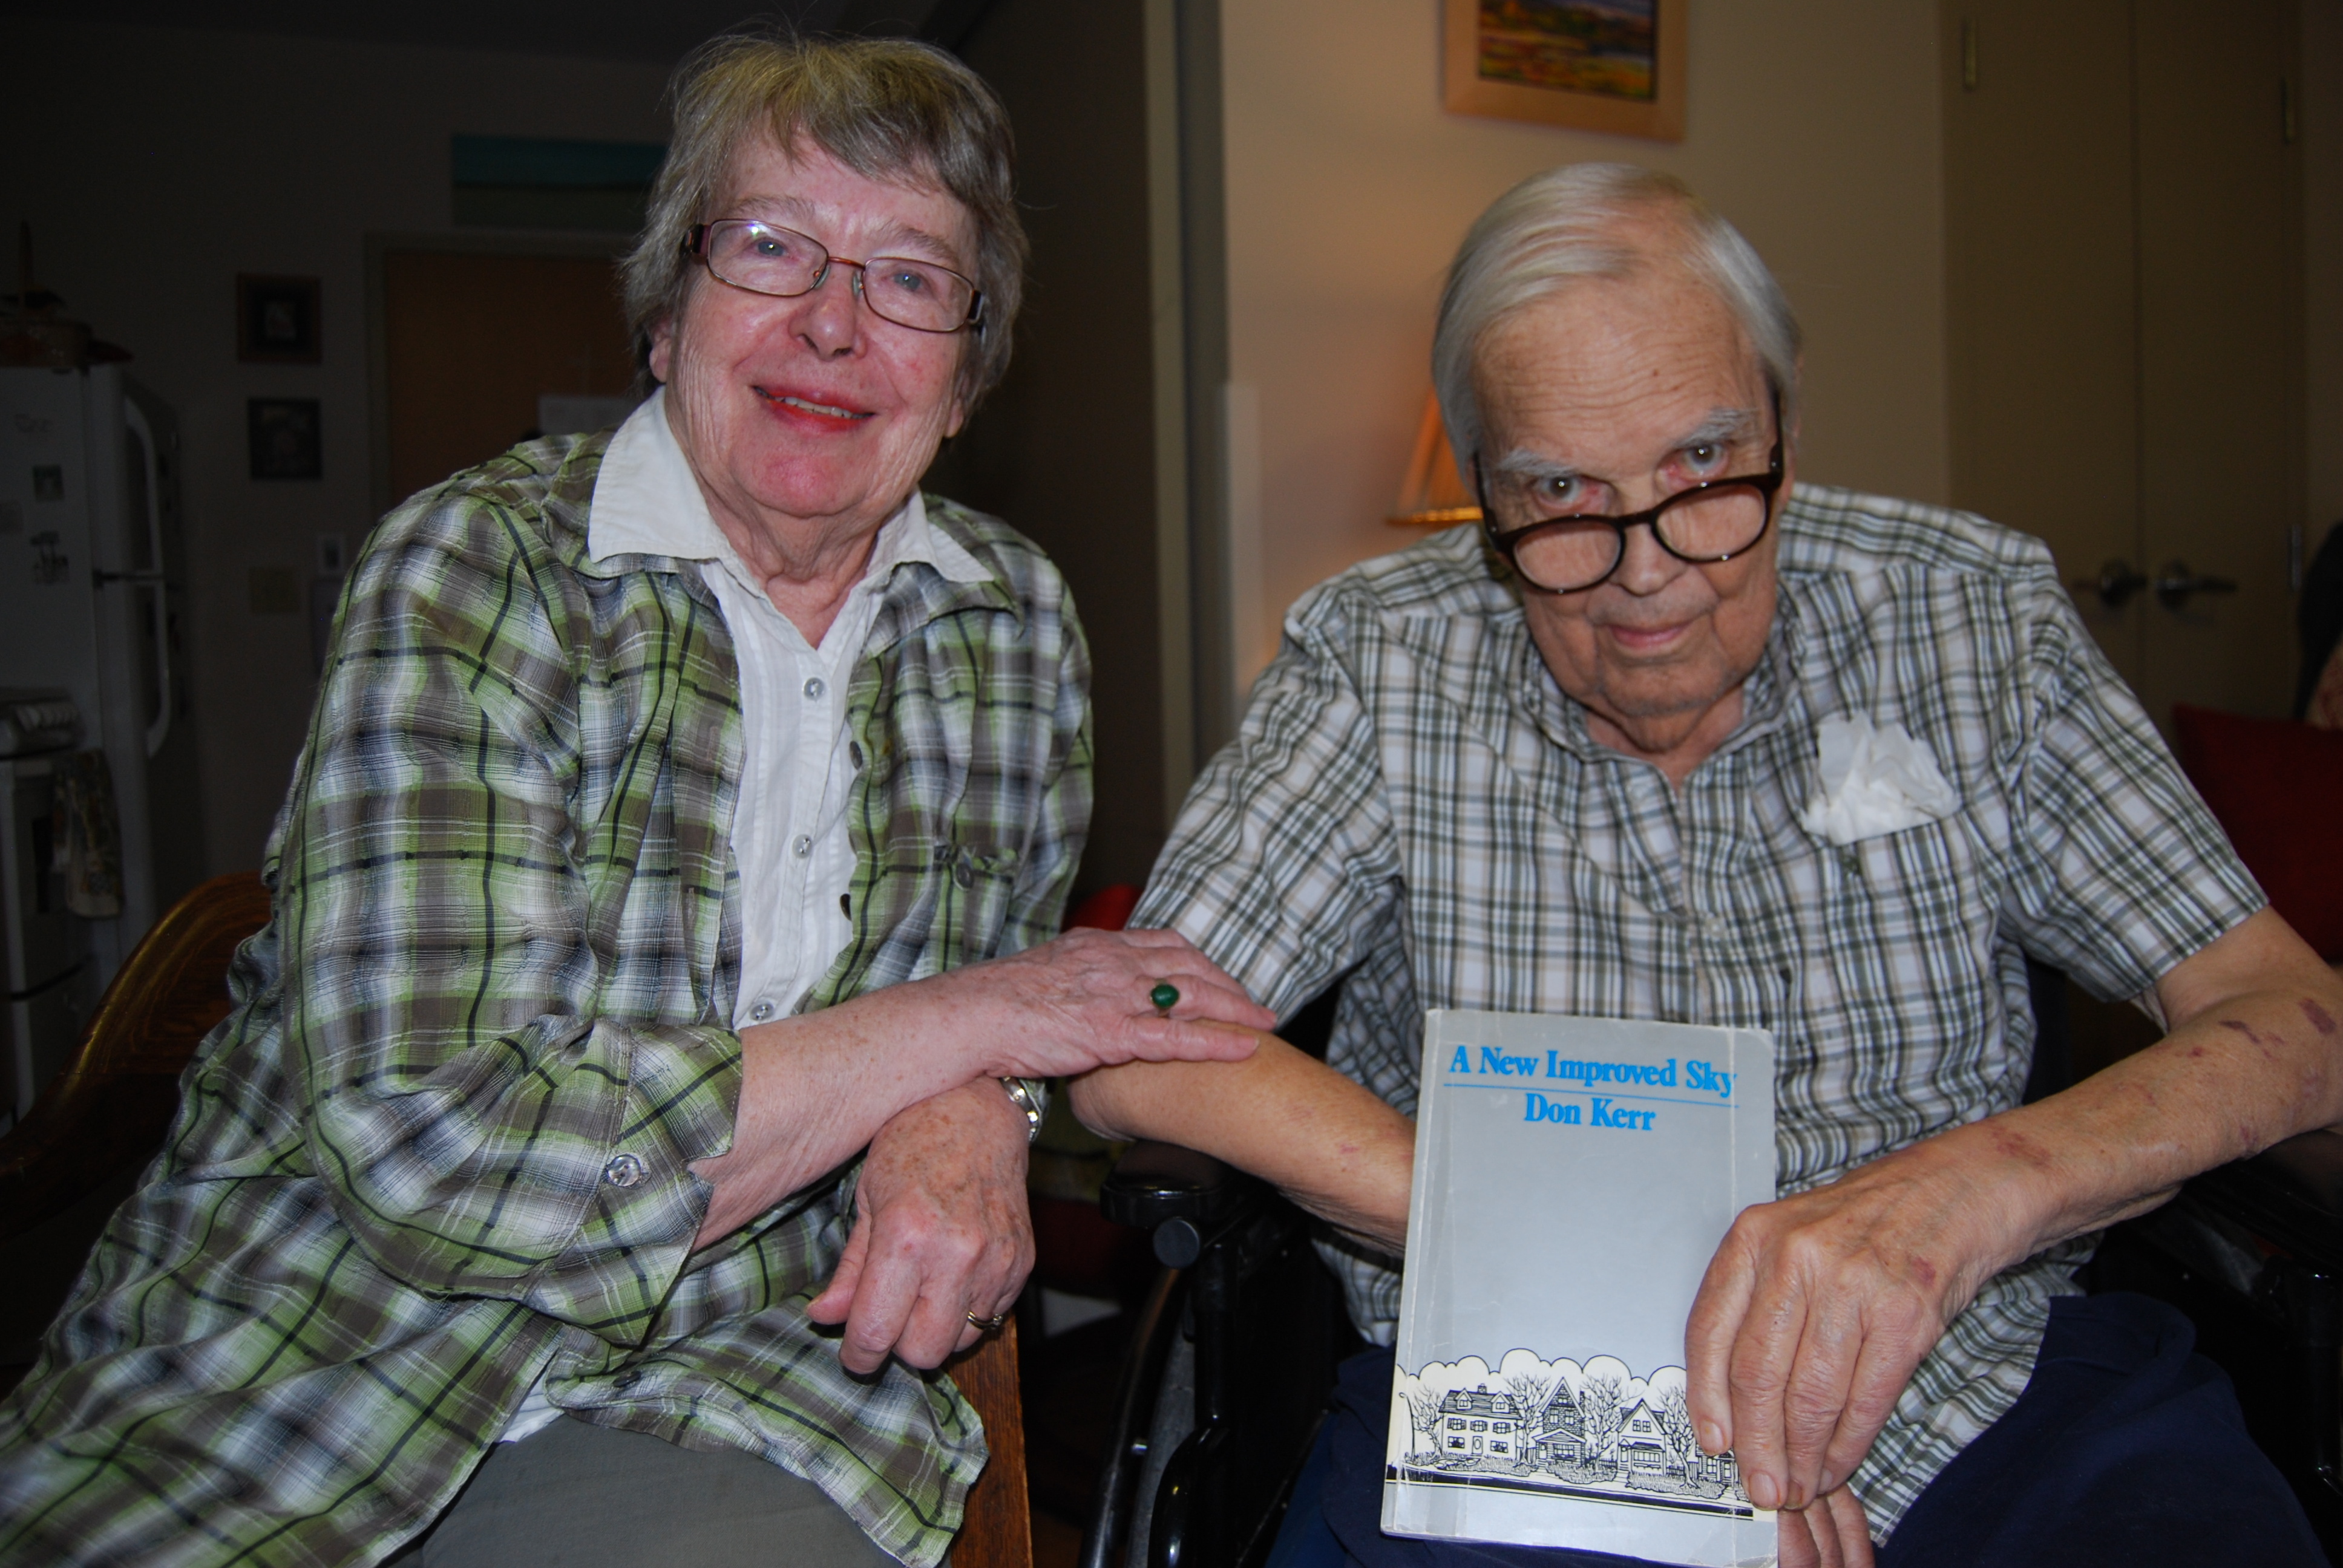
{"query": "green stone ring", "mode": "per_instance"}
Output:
(1165, 996)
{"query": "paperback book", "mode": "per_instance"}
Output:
(1572, 1179)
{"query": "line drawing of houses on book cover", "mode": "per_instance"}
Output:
(1558, 1428)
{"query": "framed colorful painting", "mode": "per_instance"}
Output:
(1614, 65)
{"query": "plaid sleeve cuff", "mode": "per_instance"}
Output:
(644, 1203)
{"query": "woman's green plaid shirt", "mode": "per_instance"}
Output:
(440, 1147)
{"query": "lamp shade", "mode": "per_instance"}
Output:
(1433, 494)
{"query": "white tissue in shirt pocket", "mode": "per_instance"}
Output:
(1875, 779)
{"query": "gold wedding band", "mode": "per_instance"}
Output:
(987, 1324)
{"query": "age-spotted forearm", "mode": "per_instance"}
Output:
(2255, 1056)
(816, 1089)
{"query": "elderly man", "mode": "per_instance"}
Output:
(640, 1002)
(1567, 766)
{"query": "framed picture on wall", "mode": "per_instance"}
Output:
(284, 438)
(1614, 65)
(275, 321)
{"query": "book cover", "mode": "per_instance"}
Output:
(1572, 1179)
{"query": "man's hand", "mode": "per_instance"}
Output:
(941, 1231)
(1829, 1533)
(1817, 1309)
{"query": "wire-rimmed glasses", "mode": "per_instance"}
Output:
(766, 258)
(1708, 522)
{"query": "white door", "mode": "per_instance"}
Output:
(2122, 274)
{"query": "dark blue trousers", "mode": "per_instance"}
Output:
(2127, 1450)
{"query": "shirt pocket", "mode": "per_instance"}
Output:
(1909, 999)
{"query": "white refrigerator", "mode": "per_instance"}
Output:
(92, 568)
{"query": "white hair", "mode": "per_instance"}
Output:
(1568, 224)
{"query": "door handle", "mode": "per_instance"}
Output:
(2115, 585)
(2177, 582)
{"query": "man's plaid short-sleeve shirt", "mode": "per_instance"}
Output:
(440, 1147)
(1413, 807)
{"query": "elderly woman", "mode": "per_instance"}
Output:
(634, 1004)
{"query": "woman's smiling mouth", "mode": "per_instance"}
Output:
(798, 404)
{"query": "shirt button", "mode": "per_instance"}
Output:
(803, 847)
(814, 687)
(762, 1011)
(623, 1171)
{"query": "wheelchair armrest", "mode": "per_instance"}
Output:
(1153, 1182)
(1182, 1196)
(2291, 1195)
(1202, 1480)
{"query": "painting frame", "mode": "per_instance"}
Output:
(277, 320)
(1467, 91)
(285, 437)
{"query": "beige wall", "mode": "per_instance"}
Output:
(155, 165)
(1813, 125)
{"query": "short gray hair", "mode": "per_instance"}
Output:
(887, 108)
(1563, 225)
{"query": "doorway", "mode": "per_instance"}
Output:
(474, 341)
(2123, 280)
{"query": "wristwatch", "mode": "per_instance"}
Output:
(1022, 1096)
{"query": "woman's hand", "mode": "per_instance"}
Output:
(1084, 1000)
(941, 1232)
(814, 1089)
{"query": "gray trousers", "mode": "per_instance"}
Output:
(577, 1495)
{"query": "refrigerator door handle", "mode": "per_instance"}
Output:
(160, 729)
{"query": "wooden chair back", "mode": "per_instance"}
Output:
(997, 1530)
(112, 1101)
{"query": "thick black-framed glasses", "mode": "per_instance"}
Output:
(766, 258)
(1708, 522)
